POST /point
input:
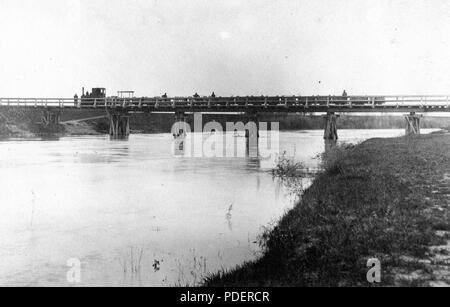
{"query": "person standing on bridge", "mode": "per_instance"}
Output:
(196, 96)
(344, 96)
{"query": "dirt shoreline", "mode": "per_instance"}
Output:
(384, 198)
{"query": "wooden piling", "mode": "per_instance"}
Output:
(252, 117)
(50, 121)
(119, 124)
(180, 120)
(330, 127)
(412, 124)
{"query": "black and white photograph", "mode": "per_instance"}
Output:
(224, 148)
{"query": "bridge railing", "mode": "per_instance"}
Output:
(305, 102)
(418, 101)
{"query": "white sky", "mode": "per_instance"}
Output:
(53, 47)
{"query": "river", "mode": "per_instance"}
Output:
(134, 214)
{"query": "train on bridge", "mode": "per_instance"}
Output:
(119, 107)
(97, 97)
(127, 98)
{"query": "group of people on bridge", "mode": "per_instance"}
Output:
(213, 95)
(101, 93)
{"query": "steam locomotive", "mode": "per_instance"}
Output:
(97, 92)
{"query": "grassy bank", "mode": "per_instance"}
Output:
(385, 198)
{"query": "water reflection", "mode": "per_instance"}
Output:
(50, 137)
(119, 137)
(252, 148)
(215, 144)
(329, 145)
(228, 217)
(179, 146)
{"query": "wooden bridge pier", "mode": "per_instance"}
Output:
(50, 120)
(412, 124)
(330, 127)
(119, 123)
(253, 130)
(180, 121)
(180, 116)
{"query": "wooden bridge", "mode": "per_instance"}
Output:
(411, 103)
(119, 108)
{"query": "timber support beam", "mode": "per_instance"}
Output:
(180, 128)
(330, 132)
(412, 124)
(50, 120)
(119, 124)
(252, 125)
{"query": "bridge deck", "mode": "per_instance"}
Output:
(436, 103)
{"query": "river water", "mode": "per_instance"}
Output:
(134, 214)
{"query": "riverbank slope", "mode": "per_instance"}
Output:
(384, 198)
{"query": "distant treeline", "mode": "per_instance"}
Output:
(295, 121)
(158, 123)
(28, 119)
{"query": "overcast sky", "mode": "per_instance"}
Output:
(53, 47)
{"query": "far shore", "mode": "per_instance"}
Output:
(26, 122)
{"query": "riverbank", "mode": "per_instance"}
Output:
(384, 198)
(27, 122)
(20, 122)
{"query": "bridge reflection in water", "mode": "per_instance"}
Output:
(223, 145)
